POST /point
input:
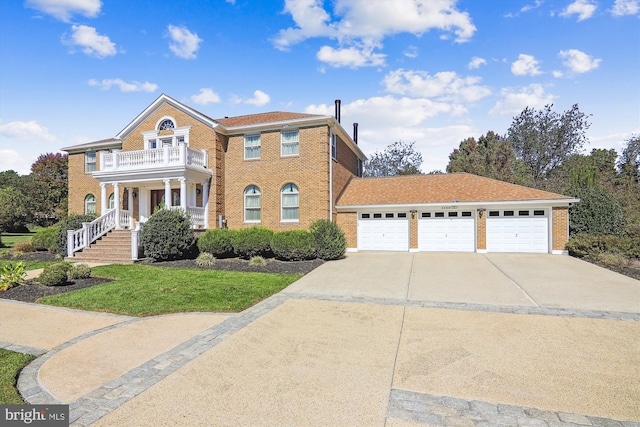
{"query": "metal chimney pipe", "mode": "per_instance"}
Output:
(338, 110)
(355, 133)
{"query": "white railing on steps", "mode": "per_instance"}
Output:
(92, 231)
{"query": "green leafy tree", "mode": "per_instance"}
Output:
(629, 164)
(398, 158)
(598, 212)
(10, 178)
(14, 210)
(48, 187)
(544, 139)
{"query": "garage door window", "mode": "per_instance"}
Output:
(426, 214)
(388, 215)
(466, 213)
(508, 213)
(494, 213)
(377, 215)
(402, 215)
(538, 213)
(439, 215)
(365, 216)
(523, 213)
(452, 214)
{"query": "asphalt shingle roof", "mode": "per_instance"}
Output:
(444, 188)
(254, 119)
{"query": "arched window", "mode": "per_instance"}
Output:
(252, 204)
(290, 202)
(166, 124)
(90, 204)
(112, 201)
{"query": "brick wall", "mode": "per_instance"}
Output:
(81, 184)
(560, 228)
(309, 171)
(348, 222)
(481, 236)
(344, 167)
(413, 230)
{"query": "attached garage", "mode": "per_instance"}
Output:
(518, 230)
(446, 232)
(383, 231)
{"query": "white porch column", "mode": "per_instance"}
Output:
(183, 193)
(167, 193)
(205, 202)
(130, 206)
(116, 201)
(103, 198)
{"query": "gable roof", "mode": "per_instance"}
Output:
(434, 189)
(255, 119)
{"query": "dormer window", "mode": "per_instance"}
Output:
(166, 124)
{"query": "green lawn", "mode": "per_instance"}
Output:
(28, 265)
(10, 365)
(141, 290)
(10, 239)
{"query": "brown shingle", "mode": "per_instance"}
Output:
(445, 188)
(254, 119)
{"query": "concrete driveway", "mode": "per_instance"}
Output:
(534, 280)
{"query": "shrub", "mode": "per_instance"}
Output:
(23, 247)
(257, 261)
(250, 242)
(167, 235)
(328, 240)
(216, 242)
(79, 271)
(55, 274)
(598, 212)
(45, 239)
(74, 222)
(205, 259)
(11, 275)
(293, 245)
(592, 246)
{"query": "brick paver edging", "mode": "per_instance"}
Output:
(447, 411)
(25, 349)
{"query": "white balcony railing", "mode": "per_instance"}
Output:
(196, 215)
(181, 155)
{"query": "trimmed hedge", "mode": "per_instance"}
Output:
(74, 222)
(216, 242)
(591, 246)
(293, 245)
(55, 274)
(45, 239)
(167, 235)
(250, 242)
(328, 239)
(79, 271)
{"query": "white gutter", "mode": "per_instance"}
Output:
(399, 206)
(330, 173)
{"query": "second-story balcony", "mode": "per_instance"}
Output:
(153, 159)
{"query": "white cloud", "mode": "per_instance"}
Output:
(557, 74)
(184, 44)
(134, 86)
(360, 25)
(411, 52)
(13, 160)
(26, 131)
(578, 61)
(514, 101)
(445, 85)
(91, 43)
(525, 65)
(583, 8)
(625, 7)
(206, 96)
(525, 8)
(351, 57)
(476, 62)
(64, 9)
(259, 99)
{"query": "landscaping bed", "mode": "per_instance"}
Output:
(238, 264)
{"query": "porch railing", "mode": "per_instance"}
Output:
(196, 215)
(181, 155)
(92, 231)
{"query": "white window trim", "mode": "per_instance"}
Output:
(282, 143)
(162, 119)
(244, 202)
(86, 202)
(259, 146)
(282, 207)
(334, 147)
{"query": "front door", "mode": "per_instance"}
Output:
(157, 199)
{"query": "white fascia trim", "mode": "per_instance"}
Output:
(164, 98)
(462, 205)
(346, 137)
(93, 146)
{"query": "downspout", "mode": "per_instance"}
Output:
(330, 173)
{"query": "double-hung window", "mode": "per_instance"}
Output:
(90, 161)
(334, 147)
(290, 143)
(290, 203)
(252, 204)
(252, 146)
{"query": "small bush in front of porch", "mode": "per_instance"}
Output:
(250, 242)
(23, 247)
(79, 271)
(73, 222)
(293, 245)
(54, 274)
(45, 239)
(167, 235)
(329, 240)
(216, 242)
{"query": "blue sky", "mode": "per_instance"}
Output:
(430, 71)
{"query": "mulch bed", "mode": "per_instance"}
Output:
(32, 291)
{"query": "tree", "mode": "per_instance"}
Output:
(629, 164)
(598, 212)
(544, 139)
(10, 178)
(491, 156)
(398, 158)
(14, 212)
(49, 187)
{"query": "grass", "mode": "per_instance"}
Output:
(140, 290)
(28, 265)
(10, 365)
(10, 239)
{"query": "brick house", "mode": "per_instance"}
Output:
(286, 170)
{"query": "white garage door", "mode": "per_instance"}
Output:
(446, 232)
(524, 230)
(386, 231)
